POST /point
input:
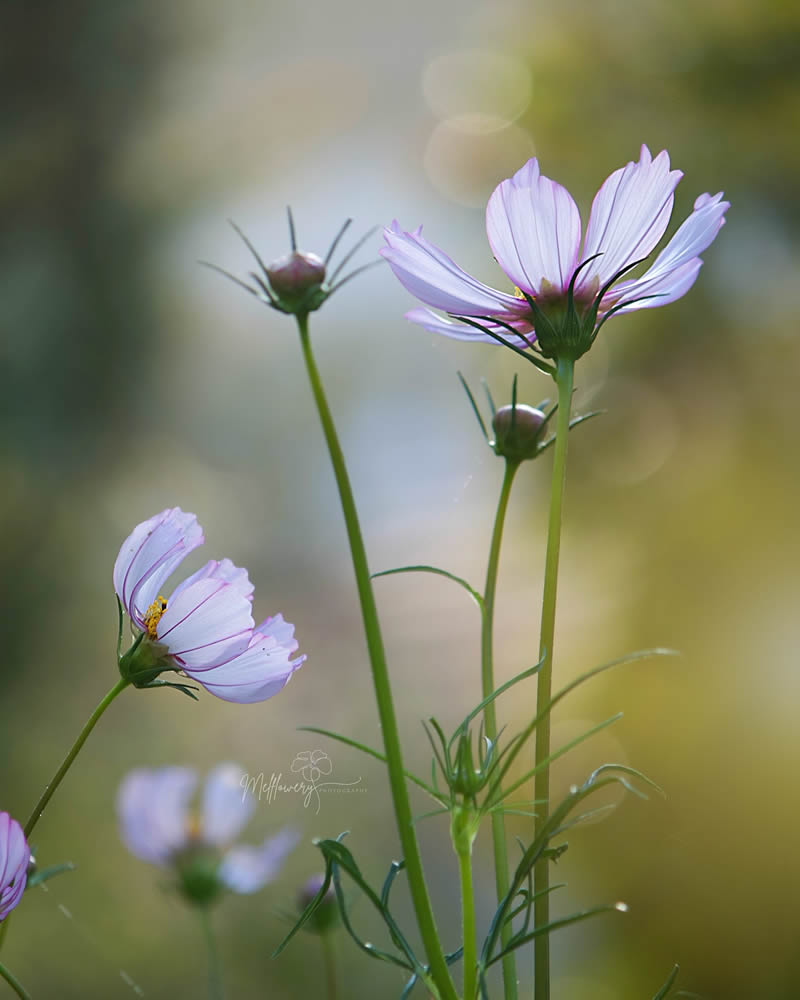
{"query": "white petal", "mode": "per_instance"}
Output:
(534, 229)
(676, 267)
(649, 292)
(433, 278)
(257, 674)
(222, 570)
(246, 869)
(226, 807)
(206, 623)
(629, 215)
(463, 331)
(152, 806)
(150, 554)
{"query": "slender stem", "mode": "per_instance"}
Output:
(490, 716)
(14, 983)
(380, 678)
(329, 960)
(49, 791)
(541, 874)
(215, 990)
(468, 921)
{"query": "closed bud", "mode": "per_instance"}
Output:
(326, 916)
(296, 276)
(518, 431)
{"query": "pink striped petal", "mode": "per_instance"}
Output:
(534, 230)
(206, 623)
(219, 570)
(629, 215)
(433, 278)
(463, 331)
(149, 556)
(257, 674)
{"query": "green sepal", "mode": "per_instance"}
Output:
(45, 874)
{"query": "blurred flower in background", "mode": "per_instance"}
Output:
(158, 824)
(14, 857)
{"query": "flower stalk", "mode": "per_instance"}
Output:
(380, 676)
(490, 713)
(565, 368)
(215, 988)
(14, 983)
(50, 790)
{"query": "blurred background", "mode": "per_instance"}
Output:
(134, 379)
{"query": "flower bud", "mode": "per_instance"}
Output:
(517, 431)
(326, 915)
(197, 869)
(296, 276)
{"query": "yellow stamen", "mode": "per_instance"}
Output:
(153, 615)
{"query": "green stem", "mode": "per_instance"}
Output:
(215, 990)
(541, 876)
(468, 921)
(329, 960)
(490, 716)
(14, 983)
(380, 678)
(49, 791)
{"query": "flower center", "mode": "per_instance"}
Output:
(153, 615)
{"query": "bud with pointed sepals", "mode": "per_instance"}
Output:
(326, 915)
(518, 431)
(298, 282)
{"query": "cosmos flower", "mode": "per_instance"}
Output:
(159, 825)
(205, 628)
(534, 230)
(14, 857)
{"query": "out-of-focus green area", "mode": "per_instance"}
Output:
(133, 379)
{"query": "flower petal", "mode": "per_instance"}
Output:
(150, 554)
(258, 673)
(152, 806)
(219, 570)
(676, 267)
(207, 623)
(657, 291)
(226, 809)
(534, 230)
(463, 331)
(246, 869)
(14, 857)
(629, 215)
(435, 279)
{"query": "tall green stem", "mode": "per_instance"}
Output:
(14, 983)
(49, 791)
(380, 678)
(215, 989)
(541, 875)
(329, 960)
(490, 715)
(464, 852)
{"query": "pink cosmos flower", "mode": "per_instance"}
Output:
(14, 857)
(534, 230)
(205, 628)
(158, 825)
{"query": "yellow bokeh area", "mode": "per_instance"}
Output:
(135, 379)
